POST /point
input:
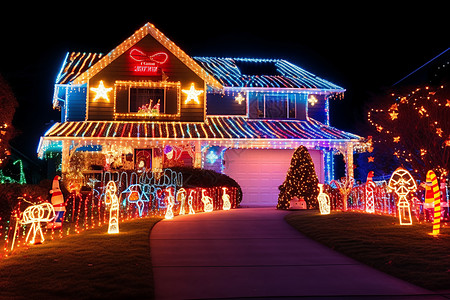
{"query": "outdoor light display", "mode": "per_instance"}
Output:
(226, 199)
(34, 215)
(112, 201)
(324, 201)
(403, 183)
(433, 195)
(370, 188)
(207, 202)
(58, 204)
(192, 95)
(344, 187)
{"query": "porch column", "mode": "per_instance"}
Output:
(349, 161)
(65, 156)
(198, 155)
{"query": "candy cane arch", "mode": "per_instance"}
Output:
(432, 183)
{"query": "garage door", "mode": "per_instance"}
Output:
(260, 172)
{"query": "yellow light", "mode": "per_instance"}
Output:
(324, 201)
(207, 202)
(226, 199)
(192, 95)
(312, 100)
(34, 215)
(101, 92)
(239, 98)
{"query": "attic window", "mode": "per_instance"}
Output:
(255, 67)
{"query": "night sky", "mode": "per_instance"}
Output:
(362, 48)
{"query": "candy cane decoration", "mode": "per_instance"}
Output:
(369, 190)
(432, 184)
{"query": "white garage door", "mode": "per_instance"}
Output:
(260, 172)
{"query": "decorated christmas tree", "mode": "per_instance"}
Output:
(301, 181)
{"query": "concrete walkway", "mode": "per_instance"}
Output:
(252, 253)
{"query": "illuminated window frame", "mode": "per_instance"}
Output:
(150, 85)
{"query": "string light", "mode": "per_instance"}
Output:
(101, 92)
(432, 187)
(403, 183)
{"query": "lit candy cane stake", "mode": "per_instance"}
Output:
(402, 183)
(324, 201)
(170, 204)
(369, 189)
(433, 187)
(112, 200)
(226, 199)
(34, 215)
(181, 198)
(190, 199)
(207, 202)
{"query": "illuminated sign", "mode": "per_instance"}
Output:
(146, 63)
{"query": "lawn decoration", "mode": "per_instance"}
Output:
(433, 195)
(402, 183)
(136, 195)
(226, 199)
(369, 193)
(58, 204)
(324, 201)
(170, 204)
(190, 200)
(345, 188)
(112, 201)
(34, 215)
(181, 198)
(207, 202)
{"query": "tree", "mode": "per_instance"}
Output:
(301, 181)
(8, 106)
(414, 126)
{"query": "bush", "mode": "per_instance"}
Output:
(193, 177)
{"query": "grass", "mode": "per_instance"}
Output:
(406, 252)
(89, 265)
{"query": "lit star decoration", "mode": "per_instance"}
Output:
(101, 92)
(312, 100)
(239, 98)
(394, 115)
(192, 95)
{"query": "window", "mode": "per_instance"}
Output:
(143, 100)
(272, 106)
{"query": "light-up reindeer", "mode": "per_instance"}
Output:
(226, 199)
(324, 201)
(402, 183)
(207, 202)
(112, 200)
(170, 203)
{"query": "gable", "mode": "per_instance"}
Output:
(147, 30)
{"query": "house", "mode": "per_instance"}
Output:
(147, 104)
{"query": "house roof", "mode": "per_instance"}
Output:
(263, 73)
(77, 69)
(214, 128)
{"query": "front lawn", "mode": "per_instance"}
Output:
(407, 252)
(92, 264)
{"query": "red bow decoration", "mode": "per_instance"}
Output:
(158, 58)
